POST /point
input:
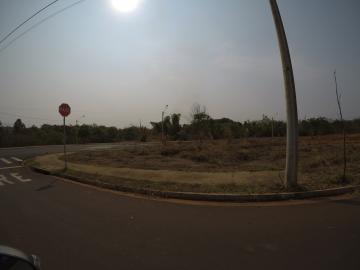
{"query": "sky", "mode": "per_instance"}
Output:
(118, 69)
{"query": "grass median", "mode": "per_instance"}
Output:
(241, 167)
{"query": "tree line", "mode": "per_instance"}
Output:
(201, 127)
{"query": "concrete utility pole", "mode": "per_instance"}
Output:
(291, 104)
(162, 124)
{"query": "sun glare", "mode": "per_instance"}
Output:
(125, 6)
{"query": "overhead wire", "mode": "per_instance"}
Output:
(22, 34)
(24, 22)
(41, 22)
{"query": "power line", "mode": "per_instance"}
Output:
(41, 22)
(28, 19)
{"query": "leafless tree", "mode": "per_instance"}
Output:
(338, 99)
(200, 122)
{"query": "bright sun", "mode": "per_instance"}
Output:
(125, 6)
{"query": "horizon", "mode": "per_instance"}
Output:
(118, 69)
(188, 122)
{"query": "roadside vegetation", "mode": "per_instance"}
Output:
(201, 127)
(204, 155)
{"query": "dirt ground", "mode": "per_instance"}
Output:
(320, 157)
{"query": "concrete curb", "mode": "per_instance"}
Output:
(269, 197)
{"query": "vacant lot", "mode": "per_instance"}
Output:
(227, 165)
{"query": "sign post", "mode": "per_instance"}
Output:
(64, 110)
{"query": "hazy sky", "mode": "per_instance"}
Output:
(118, 69)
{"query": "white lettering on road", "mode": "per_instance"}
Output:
(5, 160)
(19, 177)
(8, 168)
(4, 180)
(17, 159)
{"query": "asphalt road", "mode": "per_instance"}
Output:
(72, 226)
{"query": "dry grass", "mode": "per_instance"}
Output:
(159, 179)
(211, 156)
(248, 165)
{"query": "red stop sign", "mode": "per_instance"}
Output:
(64, 109)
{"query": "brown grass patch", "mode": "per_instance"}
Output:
(246, 164)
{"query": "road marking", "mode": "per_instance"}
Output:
(19, 177)
(17, 159)
(4, 180)
(8, 168)
(5, 160)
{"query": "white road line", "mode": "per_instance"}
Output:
(17, 159)
(8, 168)
(3, 180)
(19, 177)
(5, 160)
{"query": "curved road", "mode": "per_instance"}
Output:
(72, 226)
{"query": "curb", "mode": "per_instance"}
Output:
(211, 197)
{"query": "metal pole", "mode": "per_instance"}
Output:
(162, 127)
(291, 104)
(65, 157)
(77, 132)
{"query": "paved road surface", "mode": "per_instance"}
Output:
(72, 226)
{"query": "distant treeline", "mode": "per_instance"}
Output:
(201, 127)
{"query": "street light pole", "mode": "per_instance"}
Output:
(162, 124)
(291, 104)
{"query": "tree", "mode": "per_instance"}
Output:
(112, 134)
(170, 126)
(98, 133)
(166, 127)
(175, 125)
(200, 122)
(291, 168)
(143, 133)
(1, 133)
(227, 133)
(156, 126)
(131, 133)
(84, 133)
(19, 126)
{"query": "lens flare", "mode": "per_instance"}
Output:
(125, 6)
